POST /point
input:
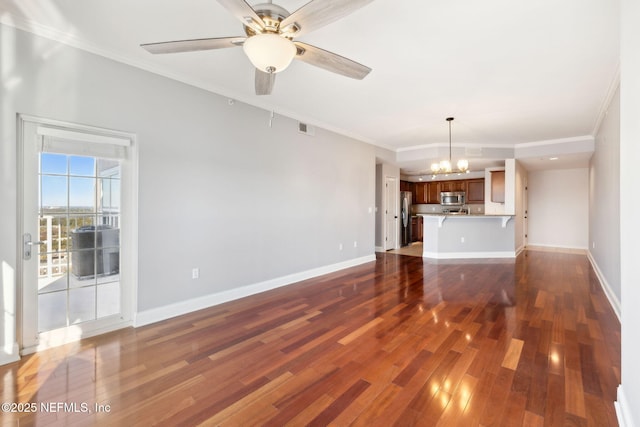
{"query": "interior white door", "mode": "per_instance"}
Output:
(391, 209)
(71, 279)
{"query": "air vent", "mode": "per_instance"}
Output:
(306, 129)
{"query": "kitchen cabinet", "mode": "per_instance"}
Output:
(457, 185)
(416, 228)
(429, 192)
(407, 186)
(419, 194)
(432, 190)
(497, 186)
(475, 191)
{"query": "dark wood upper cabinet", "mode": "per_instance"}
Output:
(497, 186)
(432, 190)
(457, 185)
(419, 195)
(429, 192)
(475, 191)
(406, 186)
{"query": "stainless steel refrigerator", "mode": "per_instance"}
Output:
(405, 218)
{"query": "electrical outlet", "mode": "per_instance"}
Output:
(195, 273)
(355, 243)
(340, 247)
(462, 240)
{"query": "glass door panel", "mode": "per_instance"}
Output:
(79, 253)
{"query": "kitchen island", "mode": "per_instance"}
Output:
(448, 236)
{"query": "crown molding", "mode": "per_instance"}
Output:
(558, 141)
(606, 102)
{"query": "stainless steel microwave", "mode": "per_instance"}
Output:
(452, 198)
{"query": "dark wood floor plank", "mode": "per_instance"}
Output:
(498, 397)
(555, 403)
(373, 413)
(514, 411)
(400, 341)
(537, 393)
(339, 404)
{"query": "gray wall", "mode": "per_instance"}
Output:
(379, 197)
(604, 199)
(558, 202)
(218, 188)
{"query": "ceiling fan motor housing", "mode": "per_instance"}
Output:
(272, 14)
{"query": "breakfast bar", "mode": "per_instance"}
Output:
(449, 236)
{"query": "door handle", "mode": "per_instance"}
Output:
(27, 244)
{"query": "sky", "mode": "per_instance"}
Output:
(65, 176)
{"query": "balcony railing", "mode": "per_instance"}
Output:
(55, 260)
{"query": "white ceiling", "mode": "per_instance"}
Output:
(509, 71)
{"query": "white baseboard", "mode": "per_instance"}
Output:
(183, 307)
(468, 255)
(623, 410)
(611, 296)
(547, 246)
(12, 356)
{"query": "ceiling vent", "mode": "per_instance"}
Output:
(306, 129)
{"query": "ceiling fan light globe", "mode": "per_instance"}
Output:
(269, 52)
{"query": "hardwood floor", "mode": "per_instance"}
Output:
(399, 341)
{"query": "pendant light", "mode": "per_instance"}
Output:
(444, 167)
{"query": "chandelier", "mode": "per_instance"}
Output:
(444, 167)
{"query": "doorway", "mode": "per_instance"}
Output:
(391, 210)
(525, 217)
(78, 201)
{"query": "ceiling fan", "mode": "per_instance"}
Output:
(269, 44)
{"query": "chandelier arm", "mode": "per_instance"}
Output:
(444, 167)
(450, 142)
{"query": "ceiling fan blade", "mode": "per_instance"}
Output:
(331, 61)
(318, 13)
(245, 13)
(264, 82)
(193, 45)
